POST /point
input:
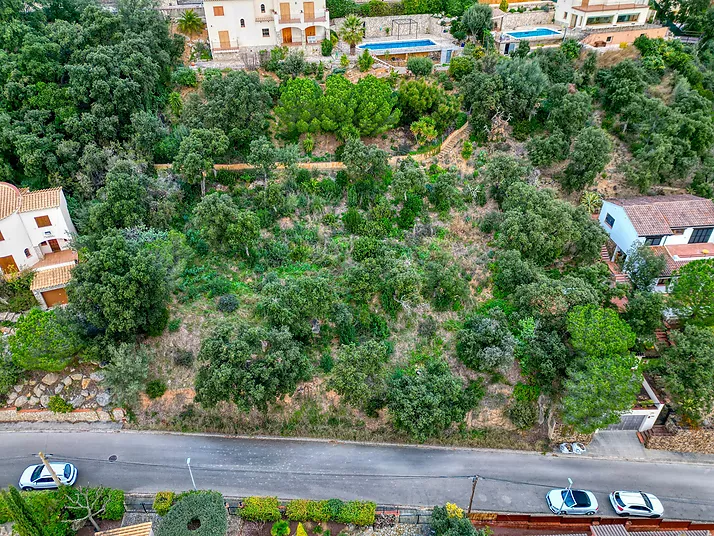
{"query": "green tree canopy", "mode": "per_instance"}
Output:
(477, 20)
(485, 343)
(43, 340)
(376, 111)
(298, 108)
(692, 293)
(359, 376)
(644, 266)
(591, 153)
(197, 154)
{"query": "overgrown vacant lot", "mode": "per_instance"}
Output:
(435, 288)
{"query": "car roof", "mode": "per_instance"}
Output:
(632, 498)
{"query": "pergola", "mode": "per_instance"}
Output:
(401, 24)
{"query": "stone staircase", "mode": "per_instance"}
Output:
(653, 434)
(617, 275)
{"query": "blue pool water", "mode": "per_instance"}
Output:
(539, 32)
(394, 45)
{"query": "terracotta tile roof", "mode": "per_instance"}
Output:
(41, 199)
(143, 529)
(52, 277)
(672, 264)
(13, 199)
(658, 215)
(9, 199)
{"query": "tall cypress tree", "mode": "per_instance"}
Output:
(26, 524)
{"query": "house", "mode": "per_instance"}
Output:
(35, 233)
(601, 23)
(254, 25)
(679, 227)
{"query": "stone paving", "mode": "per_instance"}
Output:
(81, 388)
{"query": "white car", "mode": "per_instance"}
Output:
(571, 501)
(636, 503)
(38, 477)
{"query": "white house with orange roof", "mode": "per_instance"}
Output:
(35, 233)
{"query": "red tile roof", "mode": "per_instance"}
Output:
(658, 215)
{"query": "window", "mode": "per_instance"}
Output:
(677, 231)
(266, 32)
(242, 23)
(663, 281)
(609, 220)
(632, 17)
(598, 20)
(27, 253)
(36, 473)
(653, 240)
(1, 237)
(262, 8)
(43, 221)
(699, 236)
(608, 39)
(218, 11)
(67, 470)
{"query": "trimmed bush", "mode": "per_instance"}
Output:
(228, 303)
(300, 531)
(204, 508)
(59, 405)
(334, 507)
(261, 509)
(305, 510)
(357, 513)
(115, 507)
(163, 502)
(280, 528)
(155, 389)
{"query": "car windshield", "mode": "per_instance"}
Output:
(618, 500)
(36, 473)
(67, 470)
(647, 501)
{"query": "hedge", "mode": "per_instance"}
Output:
(349, 513)
(163, 502)
(205, 506)
(261, 509)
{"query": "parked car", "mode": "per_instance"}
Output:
(636, 503)
(38, 477)
(571, 501)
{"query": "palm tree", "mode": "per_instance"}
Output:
(591, 201)
(190, 24)
(352, 32)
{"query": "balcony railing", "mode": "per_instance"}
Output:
(301, 18)
(612, 6)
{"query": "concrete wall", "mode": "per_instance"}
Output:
(16, 239)
(233, 12)
(511, 21)
(377, 26)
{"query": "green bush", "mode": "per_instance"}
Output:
(261, 509)
(183, 76)
(204, 507)
(228, 303)
(174, 325)
(43, 341)
(305, 510)
(59, 405)
(523, 413)
(326, 47)
(334, 507)
(163, 502)
(280, 528)
(183, 358)
(115, 507)
(358, 513)
(155, 389)
(420, 66)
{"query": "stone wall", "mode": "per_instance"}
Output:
(680, 439)
(511, 21)
(376, 27)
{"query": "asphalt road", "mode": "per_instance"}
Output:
(510, 481)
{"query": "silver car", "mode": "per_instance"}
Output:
(636, 503)
(38, 477)
(572, 501)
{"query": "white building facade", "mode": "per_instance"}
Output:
(35, 233)
(254, 25)
(590, 14)
(679, 227)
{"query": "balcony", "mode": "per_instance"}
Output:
(309, 19)
(264, 17)
(612, 6)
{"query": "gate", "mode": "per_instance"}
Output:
(628, 422)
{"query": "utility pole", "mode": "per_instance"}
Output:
(49, 468)
(474, 481)
(188, 462)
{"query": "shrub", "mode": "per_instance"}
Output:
(183, 76)
(365, 61)
(280, 528)
(59, 405)
(334, 507)
(327, 362)
(183, 358)
(163, 502)
(174, 325)
(300, 531)
(420, 66)
(260, 509)
(297, 510)
(155, 389)
(326, 47)
(205, 507)
(523, 413)
(305, 510)
(228, 303)
(453, 510)
(43, 341)
(115, 506)
(127, 372)
(357, 513)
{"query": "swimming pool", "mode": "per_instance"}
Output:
(538, 32)
(394, 45)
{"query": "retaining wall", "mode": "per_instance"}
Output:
(511, 21)
(680, 439)
(376, 27)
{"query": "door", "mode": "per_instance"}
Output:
(54, 245)
(46, 482)
(224, 39)
(287, 35)
(55, 297)
(309, 10)
(284, 12)
(700, 236)
(628, 422)
(7, 264)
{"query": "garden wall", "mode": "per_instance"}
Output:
(376, 27)
(511, 21)
(681, 439)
